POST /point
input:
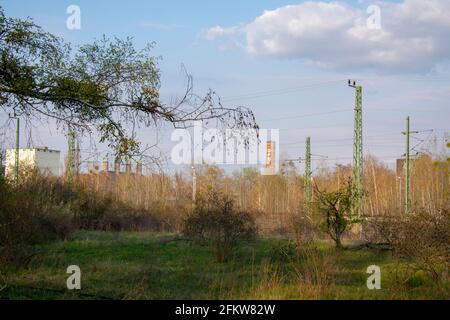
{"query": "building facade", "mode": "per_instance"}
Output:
(42, 159)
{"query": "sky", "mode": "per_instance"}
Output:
(288, 61)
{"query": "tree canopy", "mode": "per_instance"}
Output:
(108, 86)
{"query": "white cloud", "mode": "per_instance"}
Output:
(414, 35)
(218, 31)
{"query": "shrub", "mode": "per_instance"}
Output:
(335, 206)
(312, 268)
(305, 229)
(214, 220)
(421, 238)
(28, 215)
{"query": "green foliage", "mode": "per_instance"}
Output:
(143, 265)
(107, 86)
(335, 208)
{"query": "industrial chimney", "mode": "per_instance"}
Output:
(105, 164)
(139, 168)
(128, 167)
(117, 166)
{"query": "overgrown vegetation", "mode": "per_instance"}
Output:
(335, 206)
(161, 267)
(216, 221)
(43, 209)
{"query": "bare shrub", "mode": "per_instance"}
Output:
(382, 229)
(423, 239)
(29, 215)
(305, 229)
(214, 220)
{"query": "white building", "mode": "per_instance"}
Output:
(41, 159)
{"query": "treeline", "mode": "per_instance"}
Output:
(40, 209)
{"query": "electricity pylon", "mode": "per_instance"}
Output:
(194, 185)
(16, 156)
(16, 167)
(71, 157)
(307, 178)
(407, 133)
(357, 183)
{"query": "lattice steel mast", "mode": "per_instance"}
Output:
(307, 178)
(357, 179)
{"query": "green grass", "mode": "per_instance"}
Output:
(140, 265)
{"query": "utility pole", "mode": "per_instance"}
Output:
(16, 156)
(357, 183)
(16, 172)
(307, 178)
(194, 185)
(407, 133)
(71, 157)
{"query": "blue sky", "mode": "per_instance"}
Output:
(275, 65)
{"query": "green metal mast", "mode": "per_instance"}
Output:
(407, 168)
(307, 178)
(407, 133)
(357, 183)
(16, 159)
(71, 157)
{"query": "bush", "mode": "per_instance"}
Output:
(305, 229)
(424, 240)
(420, 238)
(215, 221)
(29, 216)
(335, 207)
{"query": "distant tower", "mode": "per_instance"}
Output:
(105, 164)
(128, 166)
(70, 165)
(117, 165)
(357, 178)
(307, 178)
(139, 168)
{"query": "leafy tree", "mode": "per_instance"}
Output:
(107, 86)
(335, 206)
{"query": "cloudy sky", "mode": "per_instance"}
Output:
(288, 61)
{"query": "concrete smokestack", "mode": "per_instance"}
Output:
(117, 166)
(128, 167)
(139, 168)
(105, 164)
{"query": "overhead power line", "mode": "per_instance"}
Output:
(309, 115)
(266, 93)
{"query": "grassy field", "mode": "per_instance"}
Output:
(139, 265)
